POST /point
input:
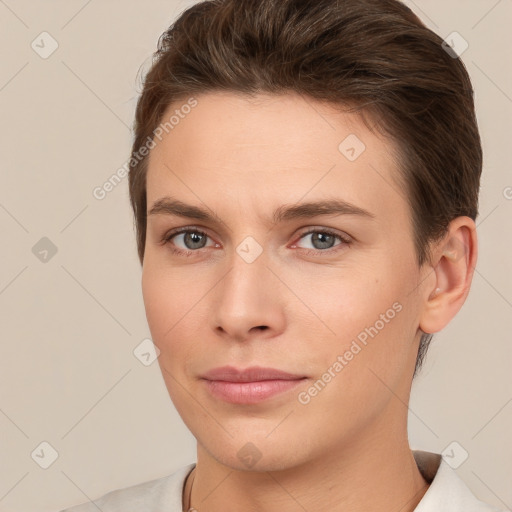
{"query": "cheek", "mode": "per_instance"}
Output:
(164, 302)
(369, 314)
(174, 301)
(155, 300)
(350, 299)
(366, 359)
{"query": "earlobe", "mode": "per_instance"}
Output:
(454, 262)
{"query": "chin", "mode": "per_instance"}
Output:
(255, 452)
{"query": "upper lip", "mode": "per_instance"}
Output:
(252, 374)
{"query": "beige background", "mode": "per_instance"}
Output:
(70, 325)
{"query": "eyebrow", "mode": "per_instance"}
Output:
(168, 206)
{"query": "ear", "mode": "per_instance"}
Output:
(453, 262)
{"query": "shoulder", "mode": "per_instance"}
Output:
(447, 491)
(150, 496)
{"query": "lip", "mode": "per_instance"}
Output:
(252, 374)
(251, 385)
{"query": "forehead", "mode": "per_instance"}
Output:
(272, 148)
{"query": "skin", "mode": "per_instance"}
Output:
(242, 158)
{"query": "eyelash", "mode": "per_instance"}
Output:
(170, 235)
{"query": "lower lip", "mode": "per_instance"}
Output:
(249, 392)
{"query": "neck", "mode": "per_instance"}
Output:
(375, 471)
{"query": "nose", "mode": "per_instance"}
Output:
(247, 302)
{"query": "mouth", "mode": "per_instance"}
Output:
(251, 385)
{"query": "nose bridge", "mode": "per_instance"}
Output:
(246, 297)
(245, 285)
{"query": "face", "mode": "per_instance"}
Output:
(302, 261)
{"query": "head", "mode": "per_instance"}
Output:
(252, 109)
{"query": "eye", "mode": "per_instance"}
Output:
(192, 239)
(323, 240)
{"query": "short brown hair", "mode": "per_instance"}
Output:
(373, 55)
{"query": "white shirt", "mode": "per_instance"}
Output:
(446, 493)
